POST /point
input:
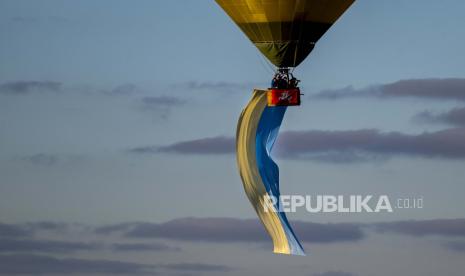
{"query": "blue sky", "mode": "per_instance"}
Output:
(172, 41)
(90, 91)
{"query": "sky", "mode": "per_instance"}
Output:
(117, 125)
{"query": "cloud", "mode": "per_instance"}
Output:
(160, 105)
(455, 117)
(145, 150)
(438, 227)
(15, 245)
(14, 239)
(14, 231)
(221, 86)
(123, 90)
(328, 232)
(25, 87)
(47, 225)
(336, 146)
(161, 101)
(457, 246)
(301, 144)
(432, 88)
(114, 228)
(214, 145)
(42, 159)
(144, 247)
(201, 229)
(30, 229)
(52, 159)
(198, 267)
(15, 264)
(333, 273)
(241, 230)
(39, 264)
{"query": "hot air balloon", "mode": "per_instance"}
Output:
(285, 32)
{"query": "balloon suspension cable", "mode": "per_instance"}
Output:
(264, 61)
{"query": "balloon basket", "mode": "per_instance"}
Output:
(283, 97)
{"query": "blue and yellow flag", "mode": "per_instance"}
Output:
(257, 130)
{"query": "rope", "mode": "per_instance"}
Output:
(300, 35)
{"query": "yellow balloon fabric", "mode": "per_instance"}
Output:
(285, 31)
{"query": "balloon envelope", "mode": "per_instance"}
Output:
(285, 31)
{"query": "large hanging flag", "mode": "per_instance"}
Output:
(257, 130)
